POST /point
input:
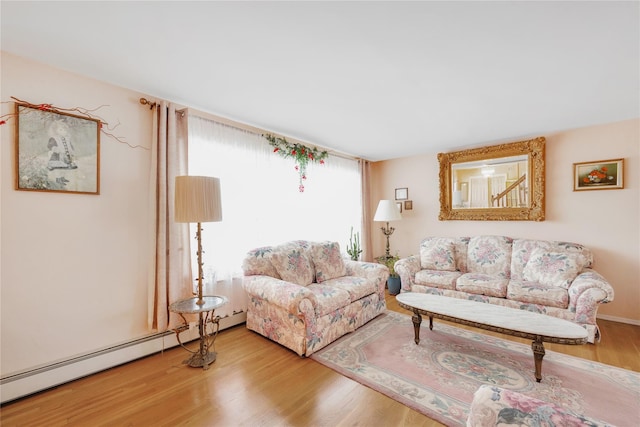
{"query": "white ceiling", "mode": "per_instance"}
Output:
(378, 80)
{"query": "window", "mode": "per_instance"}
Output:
(261, 204)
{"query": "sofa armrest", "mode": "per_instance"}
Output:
(407, 269)
(369, 270)
(286, 295)
(591, 279)
(588, 290)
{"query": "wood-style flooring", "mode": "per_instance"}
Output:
(254, 382)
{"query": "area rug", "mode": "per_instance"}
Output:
(439, 376)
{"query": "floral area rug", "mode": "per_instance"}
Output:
(439, 376)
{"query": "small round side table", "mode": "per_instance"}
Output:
(201, 357)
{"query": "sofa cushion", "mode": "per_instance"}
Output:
(490, 255)
(328, 298)
(328, 261)
(577, 249)
(357, 287)
(258, 262)
(293, 263)
(553, 268)
(461, 249)
(437, 278)
(537, 293)
(521, 252)
(438, 253)
(482, 284)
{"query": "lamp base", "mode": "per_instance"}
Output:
(201, 360)
(387, 231)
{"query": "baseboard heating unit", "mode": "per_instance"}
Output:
(24, 383)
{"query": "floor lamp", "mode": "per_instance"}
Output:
(387, 211)
(197, 199)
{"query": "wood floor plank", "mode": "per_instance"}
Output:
(254, 382)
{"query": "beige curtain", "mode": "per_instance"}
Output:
(170, 276)
(367, 214)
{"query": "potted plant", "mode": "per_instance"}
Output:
(393, 282)
(353, 248)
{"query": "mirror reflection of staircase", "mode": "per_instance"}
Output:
(515, 195)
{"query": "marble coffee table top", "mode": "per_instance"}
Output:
(494, 315)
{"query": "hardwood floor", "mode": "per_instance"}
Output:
(254, 382)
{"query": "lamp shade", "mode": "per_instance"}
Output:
(387, 211)
(197, 199)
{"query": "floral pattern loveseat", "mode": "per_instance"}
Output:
(553, 278)
(305, 295)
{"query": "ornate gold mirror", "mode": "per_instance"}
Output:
(501, 183)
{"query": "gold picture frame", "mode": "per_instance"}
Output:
(598, 175)
(532, 174)
(56, 151)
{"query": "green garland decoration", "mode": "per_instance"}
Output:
(301, 154)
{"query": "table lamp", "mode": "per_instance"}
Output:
(387, 211)
(197, 199)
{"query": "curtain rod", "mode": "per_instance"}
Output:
(260, 131)
(244, 126)
(151, 104)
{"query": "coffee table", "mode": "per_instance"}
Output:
(511, 321)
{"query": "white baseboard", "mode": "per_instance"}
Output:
(24, 383)
(619, 319)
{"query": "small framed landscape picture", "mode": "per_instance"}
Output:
(598, 175)
(408, 205)
(402, 193)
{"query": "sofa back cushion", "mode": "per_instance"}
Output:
(587, 255)
(523, 248)
(293, 262)
(462, 247)
(490, 255)
(438, 253)
(327, 260)
(551, 268)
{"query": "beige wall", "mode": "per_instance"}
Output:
(73, 267)
(607, 221)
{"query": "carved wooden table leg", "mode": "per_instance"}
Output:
(431, 323)
(538, 353)
(417, 320)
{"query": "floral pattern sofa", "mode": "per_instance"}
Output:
(549, 277)
(494, 406)
(305, 295)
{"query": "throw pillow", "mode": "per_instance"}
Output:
(257, 262)
(553, 268)
(328, 261)
(438, 254)
(293, 263)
